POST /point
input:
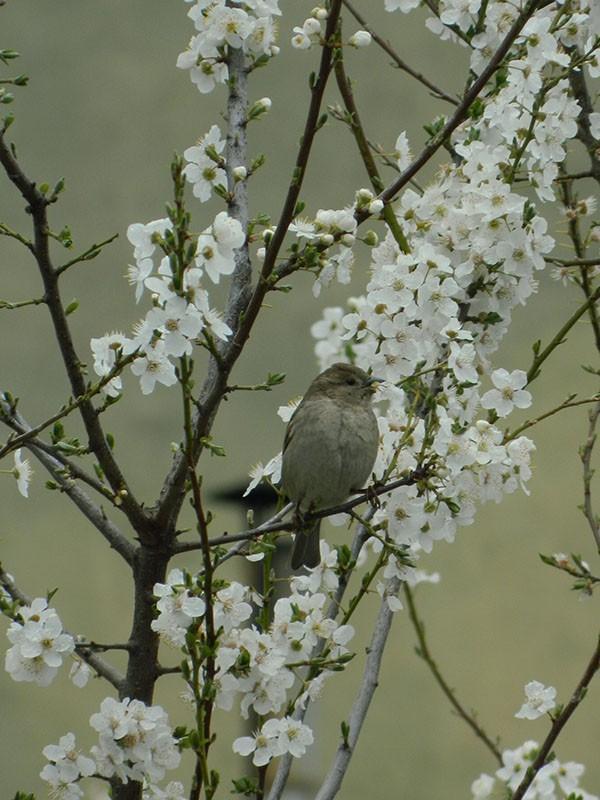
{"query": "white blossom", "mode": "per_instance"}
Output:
(539, 700)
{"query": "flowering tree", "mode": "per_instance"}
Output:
(448, 264)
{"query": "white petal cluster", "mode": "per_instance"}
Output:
(134, 741)
(178, 316)
(554, 781)
(533, 96)
(275, 738)
(67, 765)
(249, 25)
(257, 666)
(39, 644)
(173, 791)
(202, 170)
(178, 608)
(539, 700)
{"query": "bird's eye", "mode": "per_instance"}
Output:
(351, 381)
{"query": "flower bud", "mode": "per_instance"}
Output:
(360, 39)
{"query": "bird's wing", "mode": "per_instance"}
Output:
(289, 431)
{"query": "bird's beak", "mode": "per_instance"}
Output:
(373, 381)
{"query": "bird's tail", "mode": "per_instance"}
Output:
(306, 552)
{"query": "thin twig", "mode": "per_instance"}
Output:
(424, 652)
(559, 723)
(399, 62)
(568, 403)
(37, 206)
(362, 143)
(559, 338)
(588, 472)
(71, 404)
(575, 262)
(88, 255)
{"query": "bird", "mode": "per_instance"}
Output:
(329, 450)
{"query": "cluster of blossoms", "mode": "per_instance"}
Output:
(533, 111)
(275, 738)
(259, 667)
(436, 308)
(554, 781)
(134, 743)
(179, 316)
(178, 608)
(39, 644)
(312, 32)
(246, 24)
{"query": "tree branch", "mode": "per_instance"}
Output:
(333, 781)
(559, 723)
(461, 112)
(37, 207)
(94, 513)
(588, 472)
(98, 664)
(400, 63)
(424, 652)
(275, 524)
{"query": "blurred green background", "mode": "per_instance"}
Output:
(107, 108)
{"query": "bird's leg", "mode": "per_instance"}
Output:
(371, 492)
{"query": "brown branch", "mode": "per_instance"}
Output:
(462, 110)
(588, 472)
(559, 723)
(364, 149)
(424, 652)
(37, 204)
(399, 62)
(100, 667)
(343, 508)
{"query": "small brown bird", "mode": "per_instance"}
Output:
(329, 449)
